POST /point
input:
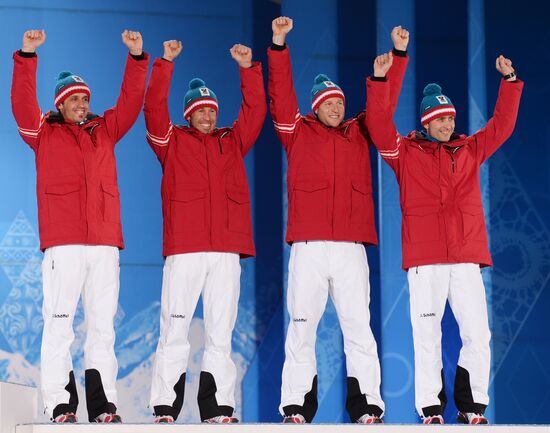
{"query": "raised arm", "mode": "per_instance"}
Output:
(499, 128)
(253, 106)
(282, 97)
(26, 111)
(157, 117)
(379, 114)
(396, 74)
(122, 116)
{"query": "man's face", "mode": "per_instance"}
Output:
(204, 119)
(442, 128)
(331, 112)
(75, 108)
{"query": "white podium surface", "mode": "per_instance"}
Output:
(275, 428)
(18, 405)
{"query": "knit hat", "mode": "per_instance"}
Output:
(68, 84)
(324, 89)
(198, 96)
(435, 105)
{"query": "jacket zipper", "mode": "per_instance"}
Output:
(220, 141)
(205, 146)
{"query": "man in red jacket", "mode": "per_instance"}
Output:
(79, 222)
(207, 226)
(444, 234)
(330, 221)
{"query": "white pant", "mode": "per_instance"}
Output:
(462, 285)
(317, 268)
(217, 276)
(67, 272)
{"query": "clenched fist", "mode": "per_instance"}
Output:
(133, 41)
(382, 64)
(242, 55)
(32, 39)
(504, 66)
(281, 26)
(400, 38)
(172, 49)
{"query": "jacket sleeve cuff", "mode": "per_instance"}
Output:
(382, 79)
(399, 53)
(277, 47)
(25, 54)
(142, 56)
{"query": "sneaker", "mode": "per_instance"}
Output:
(471, 418)
(221, 419)
(164, 419)
(434, 419)
(369, 419)
(294, 419)
(65, 418)
(108, 418)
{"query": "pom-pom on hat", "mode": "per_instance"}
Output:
(435, 104)
(323, 89)
(198, 96)
(68, 84)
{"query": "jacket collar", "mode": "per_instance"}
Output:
(217, 132)
(55, 117)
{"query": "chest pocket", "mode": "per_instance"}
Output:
(187, 210)
(362, 210)
(63, 201)
(311, 200)
(238, 211)
(422, 224)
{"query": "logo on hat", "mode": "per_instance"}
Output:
(204, 91)
(77, 79)
(329, 84)
(441, 99)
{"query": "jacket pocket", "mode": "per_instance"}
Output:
(63, 202)
(111, 202)
(311, 200)
(422, 223)
(361, 202)
(473, 222)
(238, 211)
(187, 211)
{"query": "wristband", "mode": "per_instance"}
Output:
(510, 75)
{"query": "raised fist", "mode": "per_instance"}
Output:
(504, 66)
(133, 41)
(382, 64)
(281, 26)
(32, 39)
(400, 38)
(242, 55)
(172, 49)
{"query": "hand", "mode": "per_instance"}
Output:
(504, 66)
(382, 64)
(172, 49)
(242, 55)
(281, 26)
(32, 39)
(400, 38)
(133, 41)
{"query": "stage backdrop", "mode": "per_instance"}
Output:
(454, 45)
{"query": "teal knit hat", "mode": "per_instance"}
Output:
(323, 89)
(198, 96)
(435, 104)
(68, 84)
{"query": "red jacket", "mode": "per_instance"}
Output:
(329, 174)
(443, 218)
(205, 197)
(76, 178)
